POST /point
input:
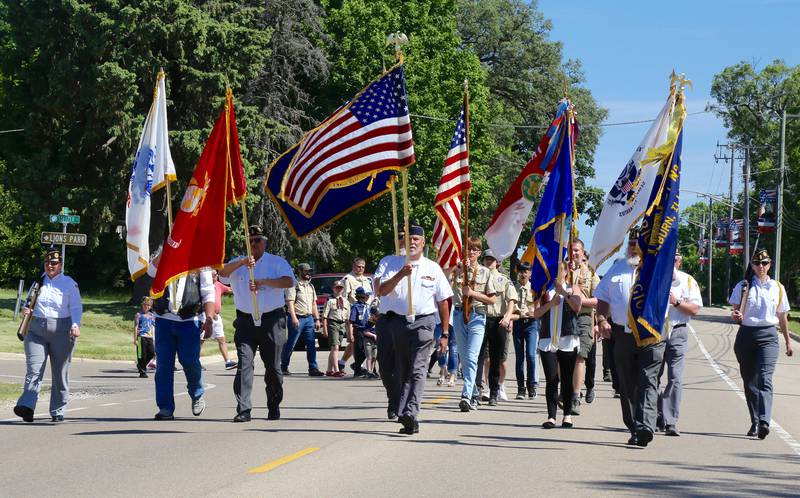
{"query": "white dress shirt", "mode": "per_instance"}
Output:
(685, 288)
(764, 301)
(59, 297)
(269, 298)
(615, 289)
(429, 283)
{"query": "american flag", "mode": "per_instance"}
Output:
(370, 134)
(454, 181)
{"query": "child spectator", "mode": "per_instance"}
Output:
(143, 333)
(334, 326)
(362, 329)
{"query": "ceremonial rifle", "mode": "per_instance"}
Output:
(30, 303)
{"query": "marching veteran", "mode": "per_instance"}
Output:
(759, 305)
(412, 335)
(53, 330)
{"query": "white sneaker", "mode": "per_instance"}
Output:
(198, 405)
(501, 392)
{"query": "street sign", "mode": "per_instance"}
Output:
(67, 239)
(72, 219)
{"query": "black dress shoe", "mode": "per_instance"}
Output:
(314, 372)
(643, 437)
(57, 418)
(391, 414)
(274, 413)
(633, 440)
(24, 413)
(753, 430)
(763, 430)
(242, 416)
(408, 424)
(548, 425)
(164, 416)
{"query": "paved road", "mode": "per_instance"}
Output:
(334, 439)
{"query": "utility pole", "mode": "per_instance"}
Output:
(725, 158)
(710, 245)
(746, 255)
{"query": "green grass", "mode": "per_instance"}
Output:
(10, 392)
(107, 328)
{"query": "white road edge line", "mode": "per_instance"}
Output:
(773, 424)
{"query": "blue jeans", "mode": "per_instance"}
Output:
(182, 338)
(449, 358)
(306, 329)
(526, 338)
(469, 338)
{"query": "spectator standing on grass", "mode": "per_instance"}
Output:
(144, 326)
(53, 330)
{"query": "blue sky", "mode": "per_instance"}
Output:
(628, 49)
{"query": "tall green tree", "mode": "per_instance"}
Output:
(79, 79)
(750, 100)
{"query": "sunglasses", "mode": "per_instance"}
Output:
(256, 240)
(54, 263)
(762, 263)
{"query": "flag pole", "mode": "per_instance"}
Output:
(172, 289)
(407, 239)
(465, 303)
(228, 104)
(394, 214)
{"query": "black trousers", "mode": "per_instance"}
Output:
(387, 362)
(144, 353)
(268, 339)
(591, 367)
(558, 365)
(495, 339)
(608, 362)
(359, 351)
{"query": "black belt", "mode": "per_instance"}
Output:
(392, 314)
(247, 313)
(302, 316)
(678, 326)
(334, 321)
(526, 320)
(476, 312)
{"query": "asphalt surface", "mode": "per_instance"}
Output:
(333, 439)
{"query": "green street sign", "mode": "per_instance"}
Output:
(70, 219)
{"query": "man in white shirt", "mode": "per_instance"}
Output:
(685, 302)
(636, 366)
(412, 335)
(272, 275)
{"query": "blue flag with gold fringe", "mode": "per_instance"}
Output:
(346, 161)
(554, 216)
(658, 241)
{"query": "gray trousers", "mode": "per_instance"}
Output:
(757, 351)
(47, 337)
(268, 339)
(386, 361)
(637, 369)
(669, 400)
(412, 348)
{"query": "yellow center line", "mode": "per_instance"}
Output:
(281, 461)
(437, 400)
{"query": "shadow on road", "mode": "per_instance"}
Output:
(132, 432)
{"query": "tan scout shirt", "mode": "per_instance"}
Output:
(587, 280)
(505, 294)
(352, 282)
(483, 284)
(526, 300)
(304, 297)
(336, 311)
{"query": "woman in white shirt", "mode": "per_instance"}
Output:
(559, 357)
(759, 304)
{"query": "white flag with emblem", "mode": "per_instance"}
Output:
(627, 200)
(152, 169)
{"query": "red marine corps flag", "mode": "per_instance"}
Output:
(197, 239)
